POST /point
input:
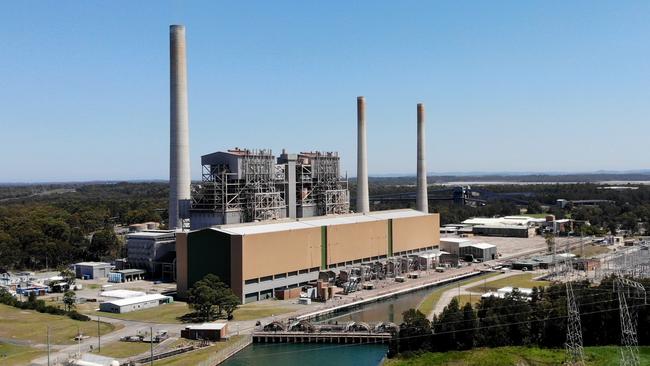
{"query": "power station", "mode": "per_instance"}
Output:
(265, 224)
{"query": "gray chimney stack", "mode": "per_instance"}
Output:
(179, 146)
(421, 200)
(363, 201)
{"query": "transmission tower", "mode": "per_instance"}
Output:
(575, 354)
(574, 351)
(629, 350)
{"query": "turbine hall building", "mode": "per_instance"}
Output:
(256, 259)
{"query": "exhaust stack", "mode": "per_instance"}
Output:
(363, 201)
(422, 199)
(179, 146)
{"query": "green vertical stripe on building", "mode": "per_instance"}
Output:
(390, 237)
(323, 247)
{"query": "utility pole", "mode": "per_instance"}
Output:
(151, 343)
(99, 337)
(48, 346)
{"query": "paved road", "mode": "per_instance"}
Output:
(446, 297)
(62, 352)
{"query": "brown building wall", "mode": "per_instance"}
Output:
(280, 252)
(181, 264)
(356, 241)
(416, 232)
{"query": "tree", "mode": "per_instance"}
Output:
(69, 299)
(414, 333)
(103, 243)
(210, 297)
(229, 304)
(465, 338)
(68, 275)
(202, 299)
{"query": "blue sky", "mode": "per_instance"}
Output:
(508, 85)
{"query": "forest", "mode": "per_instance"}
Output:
(46, 226)
(40, 231)
(517, 321)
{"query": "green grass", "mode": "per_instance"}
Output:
(172, 313)
(520, 356)
(429, 302)
(125, 349)
(194, 357)
(589, 251)
(32, 325)
(524, 280)
(257, 311)
(11, 354)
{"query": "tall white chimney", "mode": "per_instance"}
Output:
(421, 199)
(363, 201)
(179, 144)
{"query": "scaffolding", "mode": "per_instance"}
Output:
(240, 186)
(320, 188)
(243, 185)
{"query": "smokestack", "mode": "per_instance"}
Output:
(421, 200)
(363, 204)
(179, 145)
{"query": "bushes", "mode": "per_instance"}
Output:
(74, 315)
(38, 305)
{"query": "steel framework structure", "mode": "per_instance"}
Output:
(574, 349)
(628, 289)
(248, 185)
(249, 189)
(320, 185)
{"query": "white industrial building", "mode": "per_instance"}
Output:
(461, 247)
(134, 303)
(121, 294)
(452, 245)
(480, 251)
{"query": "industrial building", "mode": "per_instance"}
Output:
(134, 303)
(206, 331)
(257, 259)
(480, 251)
(461, 247)
(240, 186)
(516, 231)
(153, 251)
(126, 275)
(92, 270)
(452, 245)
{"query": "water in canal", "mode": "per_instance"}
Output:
(309, 355)
(390, 310)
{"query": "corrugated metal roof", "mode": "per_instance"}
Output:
(93, 264)
(482, 245)
(207, 326)
(265, 228)
(137, 299)
(151, 234)
(454, 240)
(306, 223)
(122, 294)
